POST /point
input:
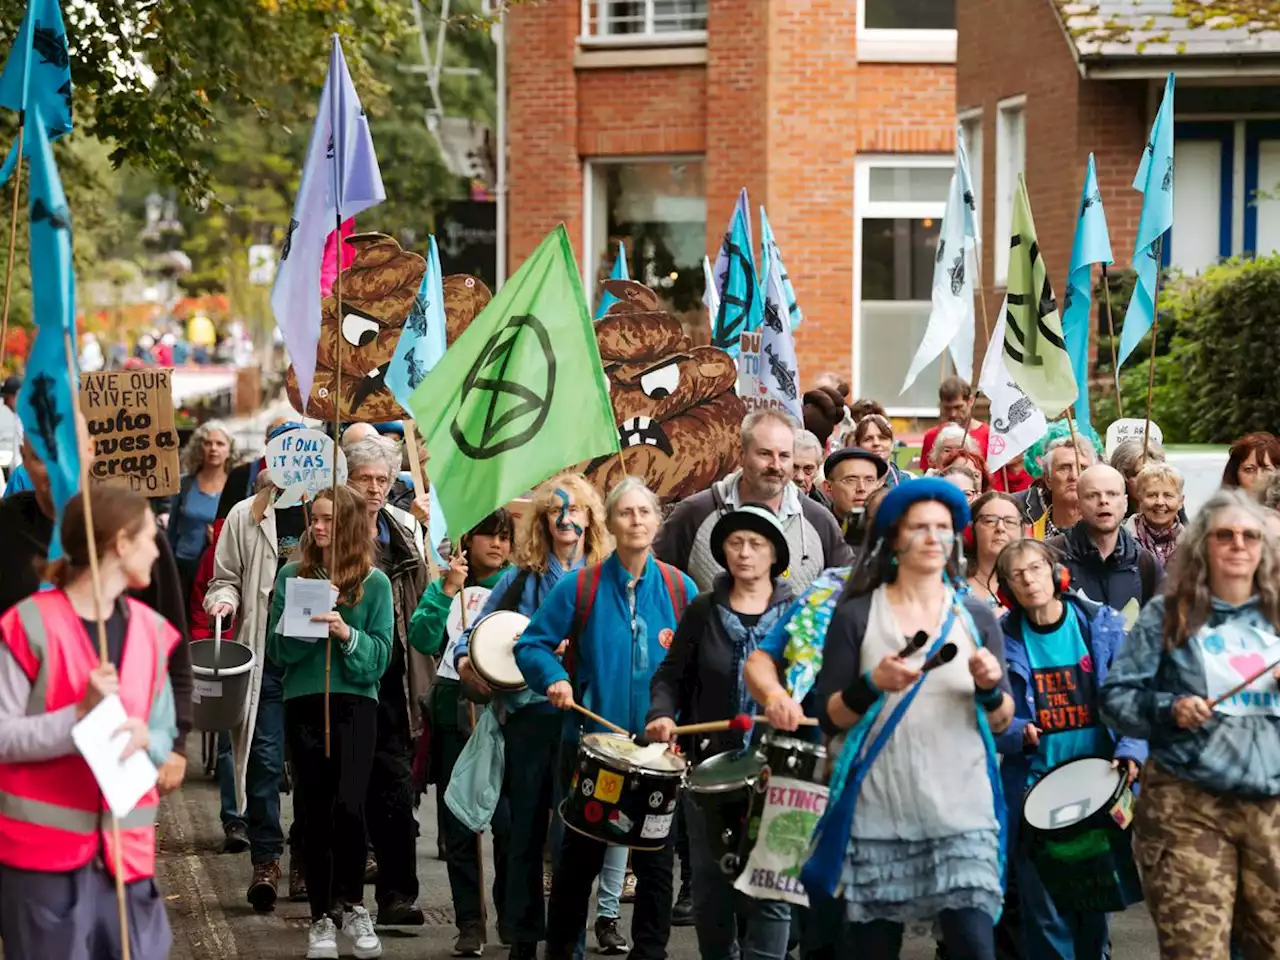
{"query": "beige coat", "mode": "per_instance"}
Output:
(244, 573)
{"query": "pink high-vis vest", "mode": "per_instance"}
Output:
(52, 816)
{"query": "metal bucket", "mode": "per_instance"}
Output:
(223, 672)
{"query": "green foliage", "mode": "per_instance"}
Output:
(1213, 376)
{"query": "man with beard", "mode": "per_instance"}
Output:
(768, 447)
(806, 464)
(852, 474)
(1106, 561)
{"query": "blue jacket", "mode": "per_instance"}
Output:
(1103, 631)
(1237, 755)
(618, 651)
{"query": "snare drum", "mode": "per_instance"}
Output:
(723, 786)
(615, 797)
(492, 649)
(1076, 824)
(789, 757)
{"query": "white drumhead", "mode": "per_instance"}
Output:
(492, 648)
(611, 746)
(1070, 793)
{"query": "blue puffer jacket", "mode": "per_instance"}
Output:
(618, 651)
(1103, 631)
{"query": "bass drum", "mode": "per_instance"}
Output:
(622, 796)
(723, 786)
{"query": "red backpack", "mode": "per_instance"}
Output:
(585, 598)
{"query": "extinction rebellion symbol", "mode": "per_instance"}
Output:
(504, 413)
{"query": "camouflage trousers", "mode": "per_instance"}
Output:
(1210, 864)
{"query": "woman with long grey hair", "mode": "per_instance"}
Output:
(1207, 826)
(206, 461)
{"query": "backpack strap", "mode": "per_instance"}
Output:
(675, 588)
(1148, 573)
(583, 600)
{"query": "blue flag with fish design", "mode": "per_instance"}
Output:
(769, 252)
(37, 76)
(619, 272)
(423, 338)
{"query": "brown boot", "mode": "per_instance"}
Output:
(262, 890)
(297, 879)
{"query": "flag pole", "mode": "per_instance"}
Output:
(13, 241)
(73, 382)
(1075, 441)
(1111, 332)
(1151, 364)
(986, 333)
(337, 435)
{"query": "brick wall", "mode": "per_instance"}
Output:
(643, 110)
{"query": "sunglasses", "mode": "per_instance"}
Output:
(1248, 536)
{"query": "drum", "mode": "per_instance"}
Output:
(788, 757)
(1075, 822)
(492, 649)
(619, 795)
(723, 786)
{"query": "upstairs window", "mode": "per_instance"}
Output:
(907, 31)
(649, 21)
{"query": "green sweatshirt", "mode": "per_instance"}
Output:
(357, 665)
(427, 625)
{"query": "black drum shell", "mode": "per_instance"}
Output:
(641, 816)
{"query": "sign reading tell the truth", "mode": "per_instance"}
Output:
(130, 416)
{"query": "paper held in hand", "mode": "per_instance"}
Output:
(304, 599)
(122, 784)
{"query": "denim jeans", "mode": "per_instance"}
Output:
(717, 906)
(609, 890)
(1048, 933)
(266, 768)
(225, 766)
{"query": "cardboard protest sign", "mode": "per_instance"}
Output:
(130, 417)
(792, 809)
(301, 464)
(1131, 428)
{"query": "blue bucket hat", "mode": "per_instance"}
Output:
(910, 492)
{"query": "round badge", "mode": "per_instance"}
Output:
(665, 637)
(588, 787)
(593, 812)
(655, 799)
(786, 574)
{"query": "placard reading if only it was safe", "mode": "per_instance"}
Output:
(130, 417)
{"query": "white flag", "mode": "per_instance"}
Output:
(710, 294)
(951, 322)
(1016, 422)
(779, 370)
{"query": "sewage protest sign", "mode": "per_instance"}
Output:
(301, 464)
(130, 417)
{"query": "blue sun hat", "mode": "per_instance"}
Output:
(910, 492)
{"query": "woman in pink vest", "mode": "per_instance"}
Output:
(58, 854)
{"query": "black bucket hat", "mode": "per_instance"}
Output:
(758, 519)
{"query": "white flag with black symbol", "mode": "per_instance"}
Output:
(951, 321)
(779, 369)
(1016, 422)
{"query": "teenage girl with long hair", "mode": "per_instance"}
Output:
(336, 548)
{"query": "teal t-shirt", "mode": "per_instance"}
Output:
(1064, 685)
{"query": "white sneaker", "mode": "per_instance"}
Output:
(357, 926)
(322, 940)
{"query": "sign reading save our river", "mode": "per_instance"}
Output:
(130, 416)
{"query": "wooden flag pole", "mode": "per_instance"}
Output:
(986, 333)
(1111, 332)
(13, 242)
(337, 439)
(1075, 441)
(73, 382)
(1151, 367)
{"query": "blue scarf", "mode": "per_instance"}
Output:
(745, 640)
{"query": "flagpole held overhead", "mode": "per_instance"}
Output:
(1092, 245)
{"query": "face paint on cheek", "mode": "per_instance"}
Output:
(563, 522)
(946, 540)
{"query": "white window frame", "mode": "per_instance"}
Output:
(588, 201)
(866, 209)
(976, 158)
(1006, 180)
(903, 46)
(648, 38)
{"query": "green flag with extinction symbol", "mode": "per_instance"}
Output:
(1035, 352)
(520, 395)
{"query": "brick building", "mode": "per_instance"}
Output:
(1058, 80)
(640, 120)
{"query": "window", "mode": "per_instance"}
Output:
(648, 21)
(898, 219)
(907, 31)
(971, 132)
(657, 208)
(1011, 155)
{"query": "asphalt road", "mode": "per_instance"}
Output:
(204, 890)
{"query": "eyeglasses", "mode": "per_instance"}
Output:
(1245, 536)
(1009, 523)
(1028, 573)
(862, 483)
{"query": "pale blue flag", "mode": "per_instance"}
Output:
(769, 252)
(779, 369)
(741, 215)
(339, 180)
(710, 295)
(423, 338)
(37, 75)
(48, 398)
(1155, 180)
(741, 309)
(1092, 245)
(619, 272)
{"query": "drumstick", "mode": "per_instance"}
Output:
(599, 719)
(1240, 686)
(741, 723)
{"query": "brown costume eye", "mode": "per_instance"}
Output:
(359, 331)
(661, 382)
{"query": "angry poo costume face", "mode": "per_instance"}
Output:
(677, 413)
